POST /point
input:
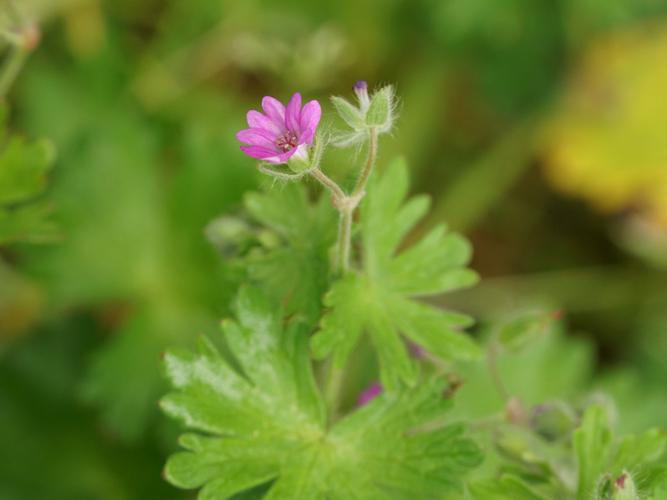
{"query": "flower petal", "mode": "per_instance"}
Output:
(310, 118)
(293, 113)
(259, 152)
(258, 120)
(274, 109)
(257, 137)
(283, 157)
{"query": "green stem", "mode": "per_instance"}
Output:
(11, 69)
(360, 186)
(329, 183)
(346, 205)
(14, 12)
(492, 363)
(345, 218)
(332, 390)
(344, 239)
(347, 211)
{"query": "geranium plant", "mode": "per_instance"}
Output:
(327, 279)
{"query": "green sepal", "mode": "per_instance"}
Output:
(349, 113)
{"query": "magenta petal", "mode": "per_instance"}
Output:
(369, 394)
(293, 113)
(274, 109)
(283, 157)
(310, 118)
(258, 152)
(257, 137)
(279, 158)
(258, 120)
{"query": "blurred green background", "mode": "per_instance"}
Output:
(538, 126)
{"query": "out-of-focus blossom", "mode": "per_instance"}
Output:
(369, 394)
(281, 131)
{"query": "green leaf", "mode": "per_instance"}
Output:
(592, 445)
(518, 332)
(23, 168)
(265, 422)
(380, 110)
(505, 488)
(349, 113)
(127, 401)
(27, 223)
(297, 270)
(635, 450)
(380, 300)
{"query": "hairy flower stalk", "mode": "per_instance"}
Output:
(22, 37)
(347, 213)
(285, 135)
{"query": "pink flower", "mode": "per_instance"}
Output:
(280, 132)
(369, 394)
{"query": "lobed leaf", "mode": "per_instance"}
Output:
(592, 446)
(380, 300)
(295, 272)
(23, 169)
(264, 423)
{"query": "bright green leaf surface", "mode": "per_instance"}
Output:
(592, 444)
(380, 300)
(265, 423)
(518, 332)
(297, 271)
(23, 169)
(505, 488)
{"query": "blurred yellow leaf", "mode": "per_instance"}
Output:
(608, 139)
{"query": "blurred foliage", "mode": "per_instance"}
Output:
(607, 140)
(23, 168)
(141, 100)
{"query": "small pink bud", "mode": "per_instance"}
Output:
(361, 90)
(620, 482)
(369, 394)
(417, 351)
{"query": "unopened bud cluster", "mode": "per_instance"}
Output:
(375, 111)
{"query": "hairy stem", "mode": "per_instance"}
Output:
(360, 186)
(344, 239)
(328, 183)
(347, 204)
(347, 210)
(345, 218)
(332, 390)
(11, 68)
(492, 363)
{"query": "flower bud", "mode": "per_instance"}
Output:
(624, 488)
(380, 111)
(230, 235)
(553, 420)
(361, 90)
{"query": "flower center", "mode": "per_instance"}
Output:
(287, 141)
